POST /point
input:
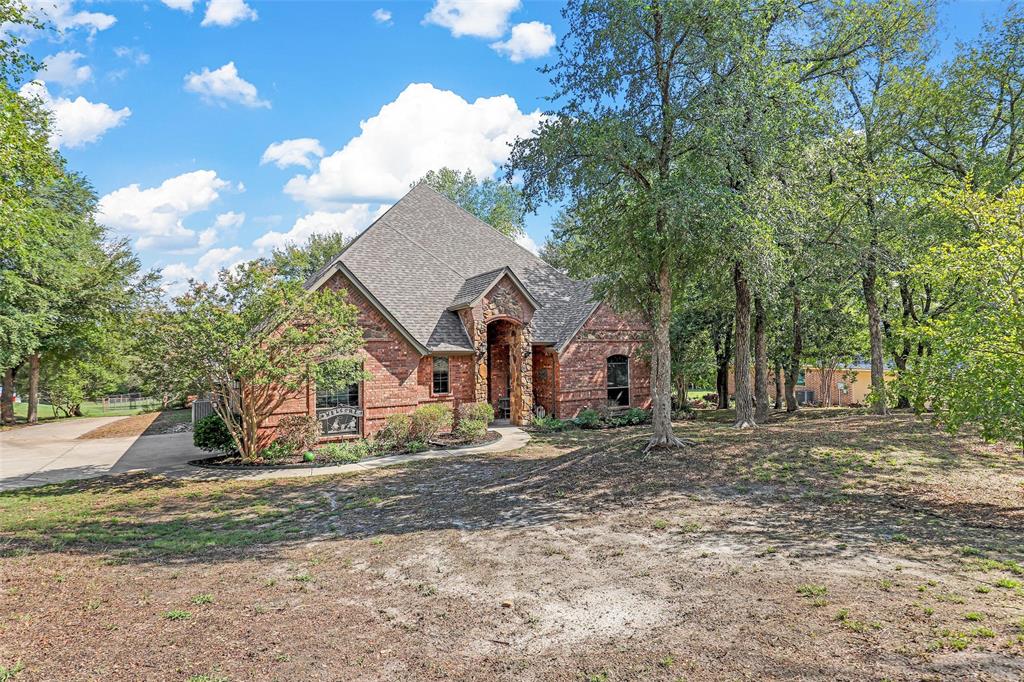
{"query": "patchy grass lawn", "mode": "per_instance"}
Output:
(847, 547)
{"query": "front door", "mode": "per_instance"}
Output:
(338, 411)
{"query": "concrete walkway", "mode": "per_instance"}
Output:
(51, 453)
(512, 438)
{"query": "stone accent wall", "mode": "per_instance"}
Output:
(504, 301)
(582, 380)
(521, 360)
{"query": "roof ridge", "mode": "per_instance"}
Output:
(487, 225)
(334, 261)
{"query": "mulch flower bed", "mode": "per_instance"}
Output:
(235, 461)
(449, 441)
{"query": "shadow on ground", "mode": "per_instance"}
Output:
(837, 485)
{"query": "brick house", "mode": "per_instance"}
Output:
(453, 311)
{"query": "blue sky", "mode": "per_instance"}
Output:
(171, 108)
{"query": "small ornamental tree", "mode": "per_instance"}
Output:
(251, 339)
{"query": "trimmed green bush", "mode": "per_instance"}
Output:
(417, 445)
(471, 429)
(397, 430)
(635, 415)
(483, 412)
(551, 424)
(430, 420)
(211, 433)
(276, 451)
(346, 452)
(588, 419)
(299, 431)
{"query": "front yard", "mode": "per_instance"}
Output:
(848, 547)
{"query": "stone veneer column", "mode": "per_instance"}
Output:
(472, 319)
(521, 371)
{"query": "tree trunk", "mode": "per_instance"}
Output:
(741, 366)
(761, 399)
(902, 356)
(681, 399)
(722, 372)
(870, 282)
(33, 388)
(7, 402)
(778, 385)
(795, 353)
(661, 366)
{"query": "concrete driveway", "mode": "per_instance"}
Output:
(50, 453)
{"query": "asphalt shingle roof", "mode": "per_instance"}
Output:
(426, 254)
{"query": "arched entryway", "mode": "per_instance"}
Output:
(509, 370)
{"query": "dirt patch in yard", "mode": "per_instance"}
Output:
(149, 424)
(845, 548)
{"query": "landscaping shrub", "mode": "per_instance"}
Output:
(416, 445)
(483, 412)
(346, 452)
(552, 424)
(298, 431)
(635, 415)
(211, 433)
(588, 419)
(276, 451)
(430, 420)
(396, 432)
(471, 429)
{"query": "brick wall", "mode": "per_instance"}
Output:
(582, 366)
(402, 379)
(564, 384)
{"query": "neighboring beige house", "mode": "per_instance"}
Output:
(839, 387)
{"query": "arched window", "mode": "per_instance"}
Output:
(618, 381)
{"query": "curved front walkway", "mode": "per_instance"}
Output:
(512, 438)
(52, 453)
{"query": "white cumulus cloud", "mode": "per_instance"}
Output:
(224, 85)
(183, 5)
(63, 68)
(176, 275)
(524, 240)
(480, 18)
(527, 41)
(76, 122)
(62, 14)
(229, 219)
(349, 222)
(423, 129)
(382, 16)
(295, 152)
(136, 55)
(228, 13)
(155, 214)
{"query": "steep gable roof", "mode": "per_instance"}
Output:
(474, 288)
(426, 255)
